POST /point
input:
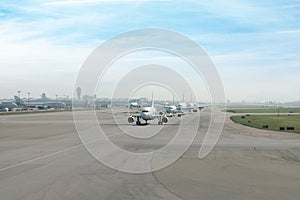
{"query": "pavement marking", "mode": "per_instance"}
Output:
(41, 157)
(51, 154)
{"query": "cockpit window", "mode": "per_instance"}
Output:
(145, 110)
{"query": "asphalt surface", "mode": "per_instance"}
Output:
(41, 157)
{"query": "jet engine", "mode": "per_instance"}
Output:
(130, 119)
(164, 119)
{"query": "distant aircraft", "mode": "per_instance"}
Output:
(184, 107)
(171, 110)
(148, 113)
(201, 107)
(7, 105)
(134, 105)
(181, 109)
(191, 107)
(42, 103)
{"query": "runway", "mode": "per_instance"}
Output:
(41, 157)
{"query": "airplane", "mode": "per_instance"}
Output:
(201, 107)
(171, 110)
(180, 109)
(191, 107)
(8, 105)
(42, 103)
(134, 105)
(148, 113)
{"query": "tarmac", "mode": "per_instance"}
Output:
(42, 157)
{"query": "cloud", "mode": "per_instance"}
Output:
(289, 32)
(257, 40)
(89, 2)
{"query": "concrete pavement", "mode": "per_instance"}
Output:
(41, 157)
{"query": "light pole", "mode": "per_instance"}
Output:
(19, 92)
(28, 96)
(43, 101)
(277, 110)
(56, 101)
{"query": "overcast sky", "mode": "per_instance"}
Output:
(254, 44)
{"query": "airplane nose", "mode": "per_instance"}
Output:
(145, 115)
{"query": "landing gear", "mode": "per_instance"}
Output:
(160, 123)
(138, 122)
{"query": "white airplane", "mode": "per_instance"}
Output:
(148, 113)
(171, 110)
(7, 105)
(181, 108)
(184, 107)
(42, 103)
(134, 105)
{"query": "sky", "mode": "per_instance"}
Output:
(254, 44)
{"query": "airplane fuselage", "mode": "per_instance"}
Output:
(148, 113)
(172, 109)
(134, 105)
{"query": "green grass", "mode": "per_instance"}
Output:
(264, 110)
(273, 121)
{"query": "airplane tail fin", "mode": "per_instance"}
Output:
(18, 100)
(173, 100)
(152, 105)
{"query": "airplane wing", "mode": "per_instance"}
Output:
(162, 118)
(132, 117)
(135, 115)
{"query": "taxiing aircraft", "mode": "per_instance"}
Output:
(182, 108)
(148, 113)
(134, 105)
(171, 110)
